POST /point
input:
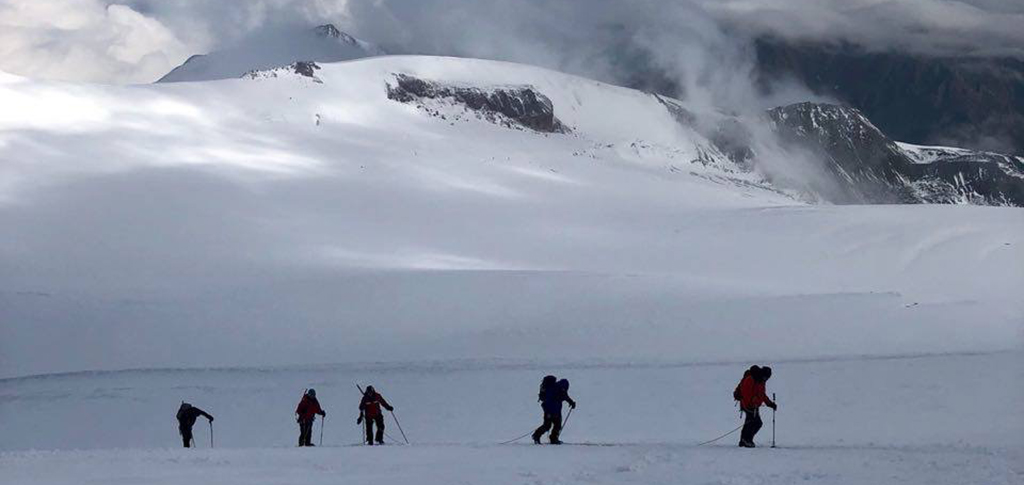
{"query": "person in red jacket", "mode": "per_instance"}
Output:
(751, 394)
(369, 411)
(307, 410)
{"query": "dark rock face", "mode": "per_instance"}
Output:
(302, 68)
(969, 182)
(971, 102)
(330, 31)
(327, 30)
(869, 167)
(305, 68)
(512, 106)
(864, 162)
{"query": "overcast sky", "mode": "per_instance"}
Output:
(140, 40)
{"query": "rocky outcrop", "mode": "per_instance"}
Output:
(971, 101)
(869, 167)
(510, 106)
(306, 69)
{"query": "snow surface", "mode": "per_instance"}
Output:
(917, 419)
(279, 221)
(929, 154)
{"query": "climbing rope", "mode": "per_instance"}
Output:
(528, 433)
(720, 437)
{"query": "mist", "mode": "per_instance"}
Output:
(140, 40)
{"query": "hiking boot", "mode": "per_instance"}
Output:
(556, 442)
(536, 439)
(747, 444)
(380, 443)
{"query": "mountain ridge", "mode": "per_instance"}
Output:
(323, 43)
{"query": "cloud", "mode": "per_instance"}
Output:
(84, 40)
(615, 40)
(931, 27)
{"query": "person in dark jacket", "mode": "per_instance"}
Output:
(751, 394)
(306, 413)
(551, 397)
(187, 416)
(369, 411)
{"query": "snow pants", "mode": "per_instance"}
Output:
(369, 422)
(553, 422)
(751, 424)
(306, 433)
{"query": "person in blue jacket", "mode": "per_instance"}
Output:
(552, 394)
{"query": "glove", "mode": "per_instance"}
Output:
(392, 408)
(323, 413)
(211, 418)
(572, 405)
(359, 420)
(773, 406)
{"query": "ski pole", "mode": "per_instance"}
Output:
(323, 421)
(399, 426)
(211, 434)
(773, 419)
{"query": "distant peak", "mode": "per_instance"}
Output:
(327, 30)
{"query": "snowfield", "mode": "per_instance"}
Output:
(238, 241)
(916, 419)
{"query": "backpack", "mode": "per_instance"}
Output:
(736, 392)
(549, 382)
(181, 411)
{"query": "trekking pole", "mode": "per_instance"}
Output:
(566, 421)
(773, 420)
(399, 426)
(323, 421)
(211, 434)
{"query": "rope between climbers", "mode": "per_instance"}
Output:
(720, 437)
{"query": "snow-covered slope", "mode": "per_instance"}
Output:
(451, 230)
(319, 201)
(322, 44)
